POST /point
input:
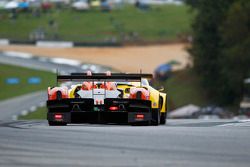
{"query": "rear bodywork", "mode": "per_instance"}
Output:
(100, 103)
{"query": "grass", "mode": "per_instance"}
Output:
(160, 23)
(183, 88)
(8, 91)
(40, 113)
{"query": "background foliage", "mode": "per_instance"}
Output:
(219, 50)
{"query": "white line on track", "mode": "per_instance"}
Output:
(246, 120)
(245, 123)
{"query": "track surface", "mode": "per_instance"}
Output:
(179, 143)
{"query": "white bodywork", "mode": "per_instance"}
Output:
(98, 94)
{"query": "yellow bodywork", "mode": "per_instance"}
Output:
(73, 90)
(158, 99)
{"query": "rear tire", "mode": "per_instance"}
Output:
(163, 119)
(155, 117)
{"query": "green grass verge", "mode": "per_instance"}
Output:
(8, 71)
(40, 113)
(166, 22)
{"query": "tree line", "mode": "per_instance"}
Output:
(221, 47)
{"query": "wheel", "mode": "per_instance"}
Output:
(162, 114)
(163, 118)
(51, 123)
(155, 117)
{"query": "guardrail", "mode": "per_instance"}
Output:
(60, 44)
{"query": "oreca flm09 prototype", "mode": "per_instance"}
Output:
(105, 98)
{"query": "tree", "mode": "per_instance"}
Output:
(235, 60)
(193, 3)
(206, 48)
(220, 49)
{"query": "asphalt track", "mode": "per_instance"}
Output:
(194, 143)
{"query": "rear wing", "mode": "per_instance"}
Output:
(122, 77)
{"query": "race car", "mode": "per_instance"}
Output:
(105, 98)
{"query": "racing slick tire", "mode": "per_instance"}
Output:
(162, 114)
(52, 123)
(155, 117)
(163, 119)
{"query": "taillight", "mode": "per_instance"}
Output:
(113, 108)
(139, 116)
(58, 116)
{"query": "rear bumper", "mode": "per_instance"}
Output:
(84, 111)
(101, 117)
